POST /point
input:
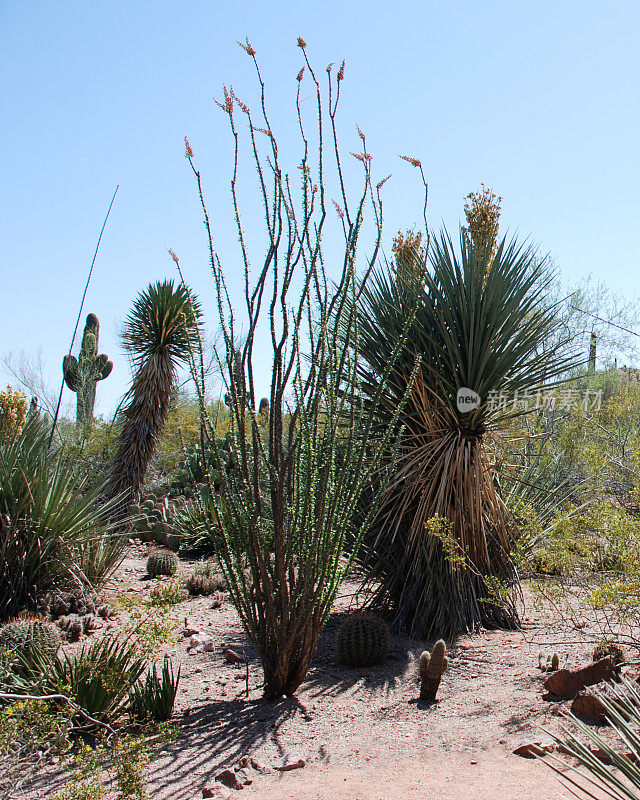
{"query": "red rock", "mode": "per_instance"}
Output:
(263, 769)
(535, 747)
(568, 682)
(229, 778)
(217, 792)
(587, 706)
(232, 657)
(290, 761)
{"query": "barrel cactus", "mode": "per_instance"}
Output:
(26, 634)
(81, 374)
(607, 648)
(161, 563)
(432, 666)
(363, 640)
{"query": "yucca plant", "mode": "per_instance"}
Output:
(475, 328)
(608, 768)
(51, 522)
(159, 333)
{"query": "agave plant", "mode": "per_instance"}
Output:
(608, 769)
(51, 523)
(476, 329)
(160, 331)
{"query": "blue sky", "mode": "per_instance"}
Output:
(537, 100)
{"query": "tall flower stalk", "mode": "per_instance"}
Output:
(287, 504)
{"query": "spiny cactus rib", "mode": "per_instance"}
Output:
(432, 665)
(363, 640)
(161, 563)
(81, 374)
(30, 633)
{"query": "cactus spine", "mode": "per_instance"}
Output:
(81, 374)
(432, 665)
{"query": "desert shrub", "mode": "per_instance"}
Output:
(154, 697)
(150, 625)
(124, 762)
(49, 522)
(608, 648)
(168, 592)
(285, 509)
(31, 732)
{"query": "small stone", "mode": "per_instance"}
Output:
(218, 792)
(186, 632)
(201, 644)
(232, 657)
(244, 776)
(290, 761)
(533, 748)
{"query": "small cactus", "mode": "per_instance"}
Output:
(608, 648)
(161, 563)
(81, 374)
(363, 640)
(199, 583)
(432, 665)
(72, 627)
(548, 663)
(30, 633)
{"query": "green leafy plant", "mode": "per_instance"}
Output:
(154, 697)
(168, 592)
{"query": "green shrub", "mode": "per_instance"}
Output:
(154, 697)
(206, 579)
(168, 592)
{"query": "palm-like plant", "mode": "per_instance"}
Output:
(160, 331)
(478, 329)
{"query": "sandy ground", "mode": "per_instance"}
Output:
(362, 732)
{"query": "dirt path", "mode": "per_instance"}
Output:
(361, 731)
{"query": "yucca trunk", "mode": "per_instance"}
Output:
(144, 418)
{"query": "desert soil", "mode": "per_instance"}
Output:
(362, 732)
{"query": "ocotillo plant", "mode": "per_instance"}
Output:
(81, 374)
(288, 506)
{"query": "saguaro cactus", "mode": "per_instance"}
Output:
(81, 374)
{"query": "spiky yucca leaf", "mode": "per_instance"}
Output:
(609, 770)
(160, 331)
(476, 329)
